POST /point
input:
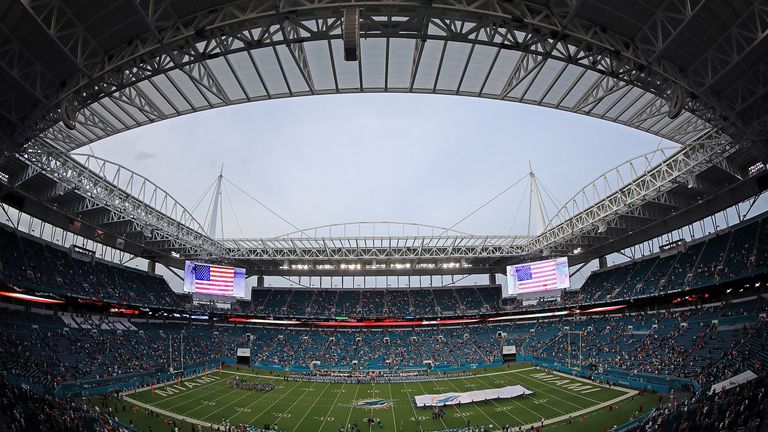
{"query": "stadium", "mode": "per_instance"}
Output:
(153, 152)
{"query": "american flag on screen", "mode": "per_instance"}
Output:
(216, 280)
(537, 276)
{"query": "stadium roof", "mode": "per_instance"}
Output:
(73, 72)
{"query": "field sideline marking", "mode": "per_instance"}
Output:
(392, 407)
(332, 406)
(435, 378)
(445, 426)
(310, 407)
(476, 405)
(530, 378)
(184, 391)
(224, 406)
(209, 393)
(148, 387)
(274, 423)
(536, 413)
(573, 378)
(583, 411)
(544, 403)
(174, 415)
(508, 412)
(352, 405)
(271, 405)
(627, 393)
(411, 403)
(198, 397)
(464, 417)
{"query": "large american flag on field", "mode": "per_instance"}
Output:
(212, 279)
(536, 276)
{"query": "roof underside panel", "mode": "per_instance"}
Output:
(114, 66)
(395, 65)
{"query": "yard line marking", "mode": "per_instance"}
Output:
(445, 426)
(352, 405)
(174, 415)
(477, 406)
(310, 408)
(255, 375)
(331, 408)
(235, 401)
(295, 402)
(392, 406)
(510, 413)
(415, 415)
(273, 403)
(198, 397)
(530, 378)
(206, 394)
(529, 409)
(586, 410)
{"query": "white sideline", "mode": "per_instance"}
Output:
(583, 411)
(627, 393)
(397, 382)
(168, 413)
(174, 415)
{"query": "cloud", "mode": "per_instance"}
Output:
(142, 156)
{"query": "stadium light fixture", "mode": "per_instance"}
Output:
(175, 254)
(577, 251)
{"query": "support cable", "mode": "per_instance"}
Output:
(485, 204)
(264, 206)
(231, 206)
(203, 197)
(517, 212)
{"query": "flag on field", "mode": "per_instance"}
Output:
(537, 276)
(213, 279)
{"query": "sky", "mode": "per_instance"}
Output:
(330, 159)
(374, 157)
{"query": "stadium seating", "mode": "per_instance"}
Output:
(728, 255)
(25, 410)
(700, 344)
(735, 253)
(705, 344)
(371, 303)
(737, 409)
(32, 264)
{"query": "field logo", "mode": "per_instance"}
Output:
(372, 404)
(444, 400)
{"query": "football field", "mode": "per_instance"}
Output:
(564, 402)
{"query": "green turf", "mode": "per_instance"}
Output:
(306, 406)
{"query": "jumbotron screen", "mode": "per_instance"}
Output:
(213, 279)
(537, 277)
